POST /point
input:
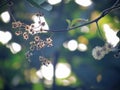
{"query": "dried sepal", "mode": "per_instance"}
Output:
(28, 54)
(32, 48)
(37, 38)
(49, 42)
(98, 53)
(44, 61)
(43, 24)
(27, 28)
(39, 14)
(16, 24)
(40, 45)
(26, 35)
(18, 33)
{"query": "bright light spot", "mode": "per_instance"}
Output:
(5, 37)
(53, 2)
(5, 17)
(65, 45)
(82, 47)
(72, 45)
(84, 3)
(84, 29)
(39, 74)
(14, 47)
(48, 82)
(37, 26)
(63, 70)
(35, 18)
(110, 35)
(47, 72)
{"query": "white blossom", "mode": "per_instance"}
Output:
(98, 53)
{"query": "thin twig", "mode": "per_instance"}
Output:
(104, 13)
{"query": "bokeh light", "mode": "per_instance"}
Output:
(82, 47)
(53, 2)
(14, 47)
(5, 37)
(47, 72)
(5, 17)
(84, 3)
(63, 70)
(84, 29)
(110, 35)
(72, 45)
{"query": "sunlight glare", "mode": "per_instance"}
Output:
(82, 47)
(36, 24)
(5, 37)
(63, 70)
(72, 45)
(14, 47)
(110, 35)
(53, 2)
(84, 3)
(47, 71)
(5, 17)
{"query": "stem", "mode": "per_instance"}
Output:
(104, 13)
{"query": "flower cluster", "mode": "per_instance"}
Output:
(26, 30)
(34, 30)
(39, 43)
(99, 52)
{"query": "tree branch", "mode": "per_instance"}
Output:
(115, 6)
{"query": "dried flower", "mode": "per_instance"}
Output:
(98, 53)
(25, 36)
(27, 28)
(43, 23)
(36, 38)
(40, 44)
(19, 24)
(39, 14)
(18, 33)
(32, 48)
(32, 25)
(16, 24)
(28, 54)
(49, 42)
(108, 46)
(44, 61)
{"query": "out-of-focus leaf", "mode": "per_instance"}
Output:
(74, 22)
(46, 6)
(78, 21)
(36, 3)
(40, 4)
(69, 22)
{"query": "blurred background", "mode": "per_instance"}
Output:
(72, 67)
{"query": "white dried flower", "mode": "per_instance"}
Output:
(98, 53)
(108, 46)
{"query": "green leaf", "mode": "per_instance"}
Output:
(69, 22)
(77, 21)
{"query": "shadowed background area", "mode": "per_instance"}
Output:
(72, 65)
